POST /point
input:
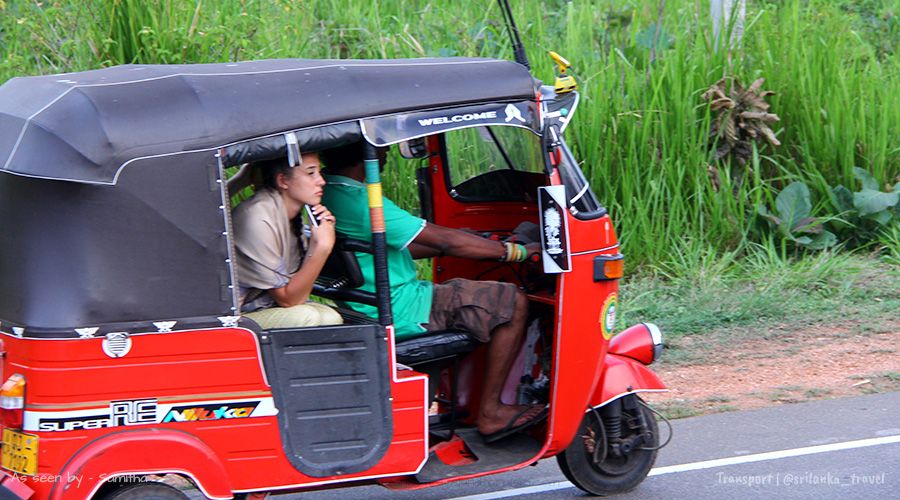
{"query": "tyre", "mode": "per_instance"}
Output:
(592, 466)
(146, 491)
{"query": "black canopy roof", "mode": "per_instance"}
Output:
(85, 126)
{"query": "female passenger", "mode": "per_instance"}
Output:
(275, 279)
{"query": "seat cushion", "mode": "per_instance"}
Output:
(433, 346)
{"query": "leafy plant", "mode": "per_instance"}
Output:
(793, 221)
(864, 214)
(742, 117)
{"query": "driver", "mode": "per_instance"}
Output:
(492, 312)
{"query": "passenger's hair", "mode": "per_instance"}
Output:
(345, 156)
(271, 168)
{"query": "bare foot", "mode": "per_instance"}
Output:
(503, 416)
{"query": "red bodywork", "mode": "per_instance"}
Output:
(221, 455)
(244, 452)
(583, 374)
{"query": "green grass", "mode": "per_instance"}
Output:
(763, 291)
(641, 129)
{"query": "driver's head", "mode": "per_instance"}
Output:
(350, 156)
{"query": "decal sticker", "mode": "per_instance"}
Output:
(465, 117)
(86, 333)
(146, 412)
(133, 412)
(554, 229)
(512, 112)
(552, 223)
(210, 412)
(608, 317)
(164, 326)
(392, 129)
(229, 321)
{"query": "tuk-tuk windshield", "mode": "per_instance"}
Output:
(582, 202)
(494, 163)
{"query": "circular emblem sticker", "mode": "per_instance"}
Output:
(116, 344)
(608, 317)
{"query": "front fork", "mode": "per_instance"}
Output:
(616, 417)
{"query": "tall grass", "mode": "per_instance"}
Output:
(641, 129)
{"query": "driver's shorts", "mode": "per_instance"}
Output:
(474, 306)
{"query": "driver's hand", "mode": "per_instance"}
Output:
(534, 251)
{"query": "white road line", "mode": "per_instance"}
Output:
(775, 455)
(706, 464)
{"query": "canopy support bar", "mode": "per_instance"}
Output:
(379, 243)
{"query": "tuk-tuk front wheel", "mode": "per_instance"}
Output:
(614, 450)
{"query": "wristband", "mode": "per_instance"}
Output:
(507, 252)
(514, 252)
(522, 252)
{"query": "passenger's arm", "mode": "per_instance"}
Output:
(320, 244)
(440, 240)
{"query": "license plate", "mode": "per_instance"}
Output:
(20, 452)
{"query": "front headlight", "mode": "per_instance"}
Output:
(656, 335)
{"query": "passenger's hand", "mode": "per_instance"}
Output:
(322, 236)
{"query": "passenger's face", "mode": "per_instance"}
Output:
(305, 183)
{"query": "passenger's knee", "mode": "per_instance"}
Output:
(328, 316)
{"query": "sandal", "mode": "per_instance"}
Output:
(512, 428)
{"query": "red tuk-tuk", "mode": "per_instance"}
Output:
(124, 357)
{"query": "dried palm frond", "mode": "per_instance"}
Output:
(742, 116)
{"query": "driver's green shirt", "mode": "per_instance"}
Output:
(410, 298)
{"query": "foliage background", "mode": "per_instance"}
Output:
(642, 128)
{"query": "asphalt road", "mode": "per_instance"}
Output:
(843, 448)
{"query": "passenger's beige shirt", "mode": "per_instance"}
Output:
(266, 249)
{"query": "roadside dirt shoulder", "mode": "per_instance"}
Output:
(779, 366)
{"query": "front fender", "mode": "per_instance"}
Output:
(152, 451)
(621, 376)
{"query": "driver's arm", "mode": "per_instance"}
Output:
(419, 251)
(437, 240)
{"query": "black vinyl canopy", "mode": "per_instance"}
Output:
(117, 211)
(85, 127)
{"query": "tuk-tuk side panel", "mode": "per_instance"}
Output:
(579, 344)
(163, 366)
(150, 248)
(407, 451)
(186, 370)
(203, 382)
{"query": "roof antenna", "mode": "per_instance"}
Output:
(518, 48)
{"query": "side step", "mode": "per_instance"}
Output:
(507, 452)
